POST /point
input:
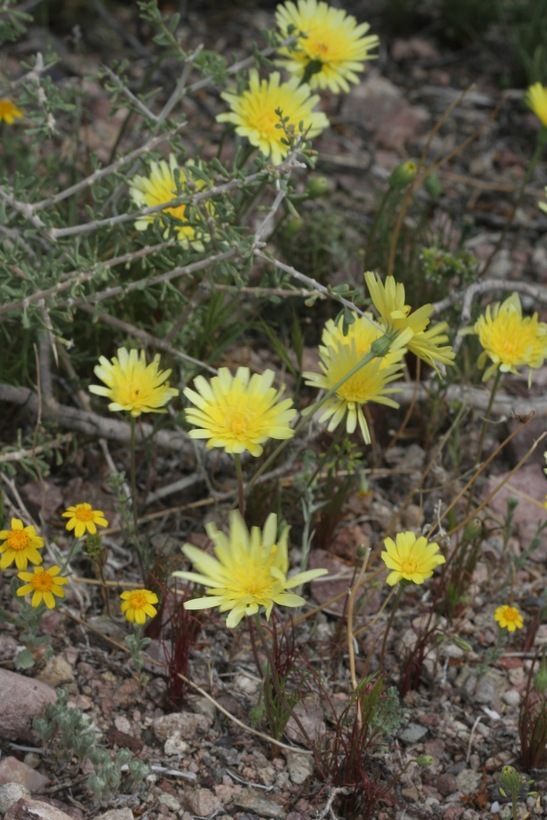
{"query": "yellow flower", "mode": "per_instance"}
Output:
(509, 339)
(83, 518)
(536, 99)
(426, 343)
(45, 585)
(410, 558)
(137, 605)
(9, 112)
(132, 384)
(21, 544)
(339, 354)
(249, 571)
(257, 114)
(239, 412)
(161, 187)
(508, 617)
(330, 46)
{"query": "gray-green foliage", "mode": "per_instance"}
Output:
(70, 738)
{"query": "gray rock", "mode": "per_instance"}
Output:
(117, 814)
(15, 771)
(468, 781)
(17, 713)
(10, 793)
(249, 800)
(413, 733)
(184, 725)
(37, 809)
(300, 767)
(202, 802)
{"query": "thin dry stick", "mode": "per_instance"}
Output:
(351, 646)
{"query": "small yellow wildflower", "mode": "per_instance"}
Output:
(339, 354)
(249, 571)
(159, 188)
(83, 518)
(509, 339)
(21, 544)
(132, 384)
(256, 113)
(138, 605)
(410, 558)
(536, 100)
(45, 585)
(330, 47)
(9, 112)
(239, 412)
(509, 618)
(427, 343)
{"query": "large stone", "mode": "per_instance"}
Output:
(22, 699)
(15, 771)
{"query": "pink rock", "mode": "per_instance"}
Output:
(22, 700)
(15, 771)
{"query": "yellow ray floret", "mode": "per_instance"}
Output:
(427, 343)
(21, 545)
(410, 558)
(248, 573)
(239, 412)
(257, 114)
(9, 112)
(138, 605)
(508, 617)
(339, 354)
(131, 384)
(536, 99)
(330, 49)
(83, 518)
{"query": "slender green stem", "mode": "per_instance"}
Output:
(390, 623)
(487, 414)
(240, 487)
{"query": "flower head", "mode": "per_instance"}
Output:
(339, 354)
(83, 518)
(45, 585)
(249, 571)
(239, 412)
(257, 114)
(133, 385)
(9, 112)
(509, 618)
(410, 558)
(509, 339)
(165, 182)
(330, 47)
(428, 344)
(138, 605)
(21, 544)
(536, 99)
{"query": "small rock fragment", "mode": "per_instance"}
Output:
(181, 724)
(10, 793)
(300, 767)
(17, 713)
(15, 771)
(202, 802)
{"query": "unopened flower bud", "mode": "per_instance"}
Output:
(461, 643)
(424, 760)
(403, 175)
(317, 187)
(432, 185)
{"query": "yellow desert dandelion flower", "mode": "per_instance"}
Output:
(510, 340)
(330, 48)
(239, 412)
(161, 187)
(83, 518)
(9, 112)
(257, 113)
(133, 385)
(410, 558)
(509, 618)
(138, 605)
(45, 585)
(536, 99)
(249, 571)
(427, 343)
(339, 354)
(21, 545)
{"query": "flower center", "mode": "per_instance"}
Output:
(238, 423)
(83, 514)
(137, 600)
(409, 566)
(178, 212)
(42, 582)
(18, 540)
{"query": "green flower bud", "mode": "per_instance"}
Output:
(317, 187)
(403, 175)
(432, 185)
(540, 680)
(292, 227)
(424, 760)
(510, 781)
(461, 643)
